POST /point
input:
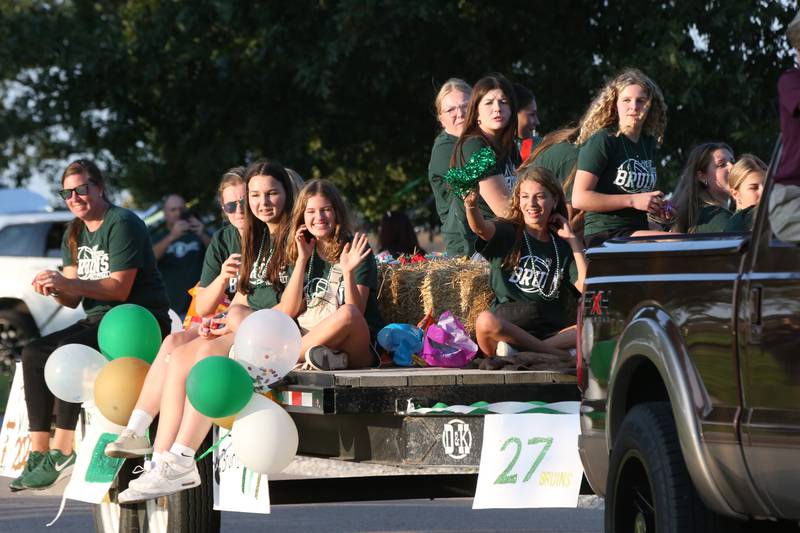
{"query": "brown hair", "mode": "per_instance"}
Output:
(343, 233)
(793, 32)
(602, 112)
(546, 179)
(254, 228)
(89, 170)
(504, 144)
(690, 194)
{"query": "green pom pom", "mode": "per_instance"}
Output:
(464, 179)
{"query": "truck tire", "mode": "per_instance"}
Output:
(17, 329)
(649, 488)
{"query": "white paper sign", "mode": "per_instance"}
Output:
(529, 460)
(15, 442)
(235, 487)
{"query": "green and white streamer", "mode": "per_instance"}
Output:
(500, 408)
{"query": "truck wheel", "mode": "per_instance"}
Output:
(649, 488)
(16, 330)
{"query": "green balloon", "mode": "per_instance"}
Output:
(129, 330)
(218, 386)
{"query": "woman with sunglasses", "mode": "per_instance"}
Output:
(217, 287)
(107, 261)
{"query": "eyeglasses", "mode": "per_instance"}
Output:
(230, 207)
(81, 190)
(453, 111)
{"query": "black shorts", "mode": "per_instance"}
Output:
(525, 315)
(596, 239)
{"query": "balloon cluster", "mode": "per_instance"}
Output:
(266, 348)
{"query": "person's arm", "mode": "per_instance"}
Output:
(352, 256)
(199, 229)
(42, 285)
(115, 288)
(564, 230)
(292, 302)
(585, 198)
(208, 297)
(483, 228)
(494, 192)
(178, 229)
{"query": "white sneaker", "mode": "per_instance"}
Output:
(323, 358)
(129, 445)
(504, 349)
(167, 477)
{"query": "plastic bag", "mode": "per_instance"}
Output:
(447, 343)
(402, 340)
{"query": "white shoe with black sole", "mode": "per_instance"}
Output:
(167, 477)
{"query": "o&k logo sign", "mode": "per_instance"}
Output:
(456, 439)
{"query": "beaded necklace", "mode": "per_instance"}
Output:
(555, 283)
(260, 271)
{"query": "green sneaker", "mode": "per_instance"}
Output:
(55, 466)
(34, 458)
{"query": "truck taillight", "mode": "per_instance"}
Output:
(579, 367)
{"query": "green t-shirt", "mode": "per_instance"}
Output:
(532, 280)
(439, 165)
(742, 220)
(120, 243)
(623, 167)
(263, 294)
(456, 224)
(711, 219)
(366, 274)
(226, 241)
(180, 267)
(560, 159)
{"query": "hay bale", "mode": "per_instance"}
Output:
(408, 291)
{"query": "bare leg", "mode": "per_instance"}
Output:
(345, 330)
(565, 339)
(236, 315)
(174, 395)
(194, 427)
(491, 329)
(40, 441)
(63, 440)
(150, 397)
(650, 233)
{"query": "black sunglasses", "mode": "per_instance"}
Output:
(230, 207)
(82, 190)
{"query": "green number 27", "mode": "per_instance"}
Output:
(505, 476)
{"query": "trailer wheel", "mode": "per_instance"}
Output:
(17, 329)
(649, 488)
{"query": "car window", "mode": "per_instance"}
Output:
(54, 236)
(24, 240)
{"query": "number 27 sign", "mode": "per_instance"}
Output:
(529, 460)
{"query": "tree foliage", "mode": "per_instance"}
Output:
(167, 94)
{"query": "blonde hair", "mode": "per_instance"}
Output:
(746, 165)
(451, 85)
(546, 179)
(602, 112)
(342, 234)
(793, 32)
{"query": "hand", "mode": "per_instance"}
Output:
(561, 227)
(49, 282)
(471, 200)
(195, 225)
(304, 248)
(230, 268)
(178, 229)
(648, 201)
(353, 255)
(212, 327)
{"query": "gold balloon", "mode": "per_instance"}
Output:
(117, 388)
(226, 422)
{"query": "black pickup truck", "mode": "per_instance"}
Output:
(689, 366)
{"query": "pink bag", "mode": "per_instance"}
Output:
(447, 343)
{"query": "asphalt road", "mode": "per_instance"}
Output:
(27, 512)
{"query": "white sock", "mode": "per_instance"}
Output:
(155, 458)
(183, 454)
(139, 421)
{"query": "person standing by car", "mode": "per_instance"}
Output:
(179, 248)
(107, 261)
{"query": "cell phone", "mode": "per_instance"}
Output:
(307, 235)
(214, 324)
(187, 214)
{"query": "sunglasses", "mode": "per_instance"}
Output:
(81, 190)
(230, 207)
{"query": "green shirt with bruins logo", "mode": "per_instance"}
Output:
(366, 274)
(456, 224)
(537, 278)
(226, 241)
(263, 294)
(622, 167)
(122, 242)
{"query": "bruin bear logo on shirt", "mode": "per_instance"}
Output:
(523, 275)
(180, 249)
(636, 176)
(92, 263)
(317, 287)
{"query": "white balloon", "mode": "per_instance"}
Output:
(70, 372)
(175, 323)
(264, 436)
(267, 344)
